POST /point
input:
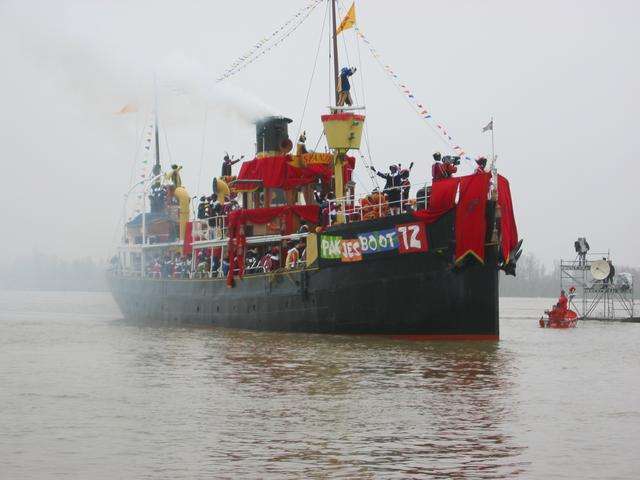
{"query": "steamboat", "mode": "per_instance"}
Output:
(288, 244)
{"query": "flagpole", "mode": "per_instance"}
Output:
(493, 152)
(494, 170)
(335, 50)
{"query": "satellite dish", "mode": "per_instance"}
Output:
(600, 269)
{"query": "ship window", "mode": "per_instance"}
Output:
(277, 197)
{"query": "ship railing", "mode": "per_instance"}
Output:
(378, 204)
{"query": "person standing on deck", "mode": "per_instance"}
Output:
(344, 87)
(405, 183)
(293, 256)
(227, 163)
(392, 185)
(482, 163)
(441, 170)
(203, 207)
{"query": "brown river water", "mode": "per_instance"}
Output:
(85, 395)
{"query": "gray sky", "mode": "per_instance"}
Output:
(561, 78)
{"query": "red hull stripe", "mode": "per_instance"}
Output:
(454, 337)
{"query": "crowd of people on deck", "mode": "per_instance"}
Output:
(209, 262)
(393, 199)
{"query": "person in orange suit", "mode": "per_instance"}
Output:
(560, 308)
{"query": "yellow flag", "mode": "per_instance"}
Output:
(349, 20)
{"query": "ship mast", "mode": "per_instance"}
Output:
(335, 49)
(156, 167)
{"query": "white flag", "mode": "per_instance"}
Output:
(488, 127)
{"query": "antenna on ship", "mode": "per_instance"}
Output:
(156, 167)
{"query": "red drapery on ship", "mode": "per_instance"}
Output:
(443, 194)
(470, 213)
(188, 239)
(238, 218)
(507, 221)
(277, 172)
(471, 222)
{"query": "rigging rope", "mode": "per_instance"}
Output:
(269, 42)
(370, 174)
(313, 72)
(204, 136)
(440, 131)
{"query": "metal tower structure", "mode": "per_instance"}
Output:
(598, 292)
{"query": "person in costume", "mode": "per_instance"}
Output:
(344, 87)
(227, 163)
(441, 170)
(560, 309)
(293, 255)
(482, 164)
(175, 176)
(392, 184)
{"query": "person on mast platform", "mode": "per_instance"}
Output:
(344, 87)
(227, 163)
(440, 169)
(482, 164)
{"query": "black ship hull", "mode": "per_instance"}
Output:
(414, 296)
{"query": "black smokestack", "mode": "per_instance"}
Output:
(272, 136)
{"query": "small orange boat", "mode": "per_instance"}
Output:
(556, 319)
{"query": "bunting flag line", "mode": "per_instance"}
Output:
(269, 42)
(144, 172)
(421, 110)
(348, 21)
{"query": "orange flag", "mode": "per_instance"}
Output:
(349, 20)
(128, 108)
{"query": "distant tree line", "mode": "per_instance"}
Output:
(49, 272)
(533, 279)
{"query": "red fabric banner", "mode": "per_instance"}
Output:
(188, 239)
(471, 222)
(507, 222)
(412, 237)
(443, 194)
(277, 172)
(429, 216)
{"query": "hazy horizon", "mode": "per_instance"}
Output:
(558, 77)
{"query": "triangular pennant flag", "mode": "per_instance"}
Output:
(128, 108)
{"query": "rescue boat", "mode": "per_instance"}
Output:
(554, 319)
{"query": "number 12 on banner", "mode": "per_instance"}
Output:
(413, 237)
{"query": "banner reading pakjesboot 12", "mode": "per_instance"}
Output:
(404, 238)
